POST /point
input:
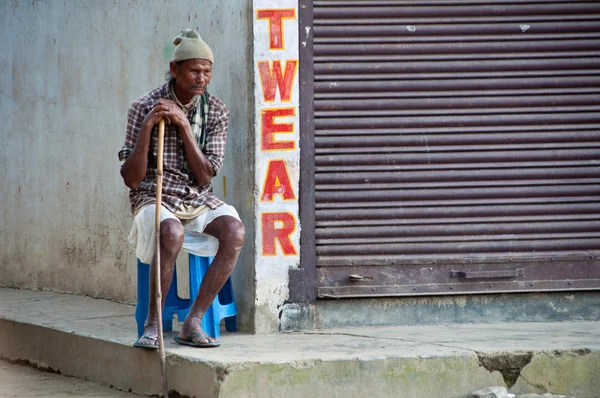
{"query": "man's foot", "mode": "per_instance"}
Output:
(200, 340)
(149, 339)
(192, 334)
(148, 342)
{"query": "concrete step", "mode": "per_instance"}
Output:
(91, 339)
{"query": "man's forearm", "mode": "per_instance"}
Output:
(133, 169)
(198, 163)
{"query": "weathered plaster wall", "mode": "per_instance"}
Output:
(69, 71)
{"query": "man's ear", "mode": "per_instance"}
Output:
(174, 68)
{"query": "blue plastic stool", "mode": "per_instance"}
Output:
(222, 307)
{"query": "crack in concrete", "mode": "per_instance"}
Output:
(173, 394)
(86, 319)
(395, 339)
(557, 353)
(538, 386)
(575, 351)
(509, 364)
(42, 367)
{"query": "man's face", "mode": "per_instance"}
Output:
(192, 76)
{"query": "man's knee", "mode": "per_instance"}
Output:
(171, 233)
(233, 234)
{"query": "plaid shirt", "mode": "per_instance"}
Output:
(179, 185)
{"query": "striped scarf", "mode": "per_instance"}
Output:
(200, 117)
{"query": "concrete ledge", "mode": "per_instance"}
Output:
(91, 339)
(432, 310)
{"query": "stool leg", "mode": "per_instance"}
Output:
(143, 296)
(226, 298)
(197, 270)
(172, 301)
(223, 304)
(198, 267)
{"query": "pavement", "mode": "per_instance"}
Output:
(91, 339)
(21, 381)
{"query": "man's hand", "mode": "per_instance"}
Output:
(167, 109)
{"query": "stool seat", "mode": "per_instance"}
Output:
(222, 307)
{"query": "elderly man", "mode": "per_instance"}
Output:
(192, 218)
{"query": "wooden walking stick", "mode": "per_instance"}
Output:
(159, 178)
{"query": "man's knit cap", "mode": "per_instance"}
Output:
(189, 45)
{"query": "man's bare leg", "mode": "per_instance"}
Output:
(171, 240)
(230, 233)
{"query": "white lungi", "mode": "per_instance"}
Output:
(195, 240)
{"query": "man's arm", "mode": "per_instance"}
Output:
(216, 137)
(134, 168)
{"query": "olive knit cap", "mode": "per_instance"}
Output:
(189, 45)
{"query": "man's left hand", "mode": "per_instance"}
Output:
(171, 112)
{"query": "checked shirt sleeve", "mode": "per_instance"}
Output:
(216, 134)
(135, 119)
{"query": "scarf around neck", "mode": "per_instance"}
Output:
(200, 117)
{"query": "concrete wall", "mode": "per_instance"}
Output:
(70, 69)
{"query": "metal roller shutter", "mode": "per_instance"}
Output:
(457, 146)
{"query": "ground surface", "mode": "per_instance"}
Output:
(91, 339)
(24, 381)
